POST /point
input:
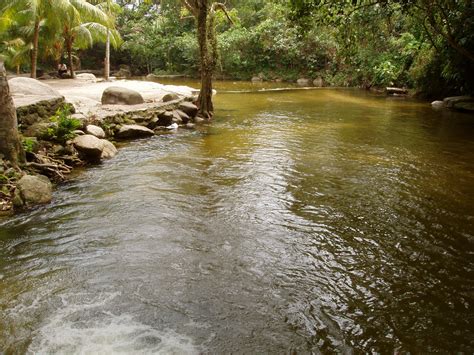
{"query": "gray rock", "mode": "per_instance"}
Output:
(198, 120)
(170, 97)
(165, 118)
(89, 146)
(28, 86)
(152, 77)
(318, 82)
(78, 132)
(460, 103)
(35, 189)
(438, 104)
(177, 118)
(109, 150)
(184, 116)
(95, 131)
(256, 79)
(134, 131)
(87, 77)
(303, 82)
(188, 108)
(115, 95)
(190, 125)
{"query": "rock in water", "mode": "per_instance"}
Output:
(184, 116)
(438, 104)
(35, 189)
(165, 118)
(460, 103)
(89, 146)
(115, 95)
(109, 150)
(189, 108)
(31, 87)
(170, 97)
(173, 126)
(95, 131)
(134, 131)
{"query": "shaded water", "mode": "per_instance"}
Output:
(307, 221)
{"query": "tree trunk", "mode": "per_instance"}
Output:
(107, 57)
(69, 57)
(18, 69)
(10, 145)
(205, 105)
(34, 54)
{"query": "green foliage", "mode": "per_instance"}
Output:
(62, 126)
(29, 144)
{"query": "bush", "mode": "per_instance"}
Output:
(62, 127)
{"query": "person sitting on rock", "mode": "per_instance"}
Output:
(62, 69)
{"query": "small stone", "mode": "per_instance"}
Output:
(78, 132)
(190, 125)
(95, 131)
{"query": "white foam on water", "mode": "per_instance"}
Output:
(70, 331)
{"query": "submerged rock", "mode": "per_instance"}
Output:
(33, 190)
(115, 95)
(134, 131)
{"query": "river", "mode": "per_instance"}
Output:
(299, 221)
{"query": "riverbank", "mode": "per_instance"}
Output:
(67, 124)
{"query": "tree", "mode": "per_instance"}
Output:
(204, 13)
(10, 144)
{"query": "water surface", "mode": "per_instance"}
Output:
(307, 221)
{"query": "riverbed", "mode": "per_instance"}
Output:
(323, 220)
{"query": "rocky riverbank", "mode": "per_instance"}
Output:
(70, 123)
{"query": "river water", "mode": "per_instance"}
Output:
(298, 221)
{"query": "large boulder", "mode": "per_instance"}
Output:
(134, 131)
(34, 189)
(189, 108)
(31, 87)
(89, 146)
(95, 131)
(115, 95)
(109, 150)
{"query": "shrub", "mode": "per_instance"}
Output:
(63, 126)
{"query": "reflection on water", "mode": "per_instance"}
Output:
(321, 220)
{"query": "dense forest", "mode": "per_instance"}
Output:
(427, 45)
